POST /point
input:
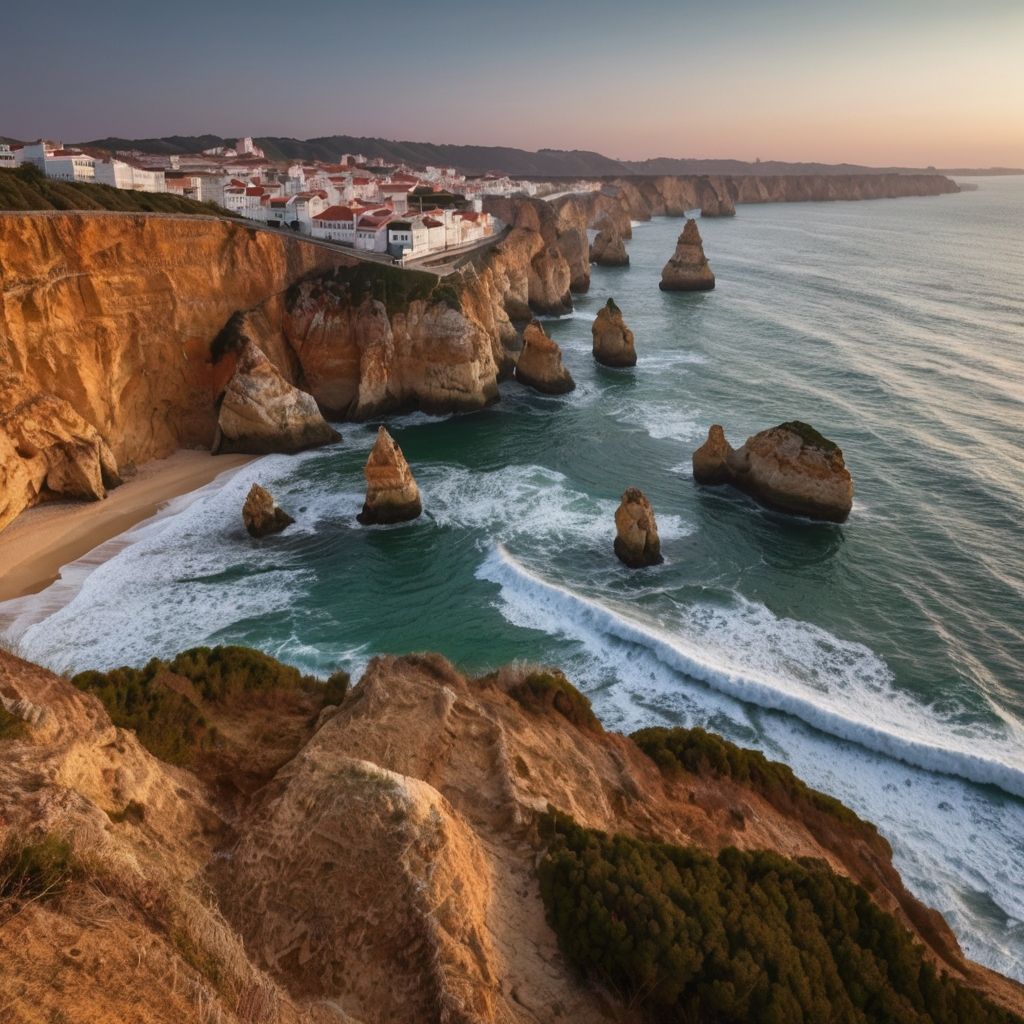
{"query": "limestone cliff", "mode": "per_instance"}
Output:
(369, 861)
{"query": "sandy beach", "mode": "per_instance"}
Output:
(35, 546)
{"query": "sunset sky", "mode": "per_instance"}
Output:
(910, 82)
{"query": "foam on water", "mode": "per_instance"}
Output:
(748, 654)
(954, 845)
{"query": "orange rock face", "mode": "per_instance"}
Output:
(391, 492)
(688, 269)
(636, 533)
(613, 340)
(790, 467)
(540, 364)
(261, 515)
(608, 249)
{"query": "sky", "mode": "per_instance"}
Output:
(903, 82)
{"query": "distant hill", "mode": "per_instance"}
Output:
(27, 189)
(521, 163)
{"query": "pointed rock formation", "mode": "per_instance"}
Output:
(636, 533)
(261, 412)
(613, 340)
(391, 492)
(790, 467)
(261, 514)
(688, 270)
(540, 364)
(608, 249)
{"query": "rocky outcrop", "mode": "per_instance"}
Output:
(636, 533)
(373, 862)
(612, 339)
(261, 514)
(391, 492)
(47, 450)
(790, 467)
(608, 249)
(540, 363)
(687, 270)
(718, 205)
(261, 412)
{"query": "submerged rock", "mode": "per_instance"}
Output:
(613, 340)
(688, 269)
(261, 514)
(540, 363)
(790, 467)
(260, 412)
(636, 532)
(391, 492)
(608, 249)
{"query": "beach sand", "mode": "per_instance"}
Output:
(41, 540)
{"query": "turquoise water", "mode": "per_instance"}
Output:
(882, 658)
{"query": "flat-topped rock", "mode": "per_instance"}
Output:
(391, 492)
(688, 269)
(613, 340)
(261, 514)
(260, 412)
(790, 467)
(636, 533)
(540, 363)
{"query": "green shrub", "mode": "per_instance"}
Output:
(809, 435)
(699, 752)
(551, 690)
(336, 688)
(395, 287)
(172, 724)
(738, 938)
(36, 869)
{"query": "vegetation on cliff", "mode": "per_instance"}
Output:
(27, 188)
(744, 936)
(678, 751)
(544, 690)
(394, 287)
(174, 721)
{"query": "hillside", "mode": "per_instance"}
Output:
(28, 189)
(428, 847)
(548, 163)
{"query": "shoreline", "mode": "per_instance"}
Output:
(42, 540)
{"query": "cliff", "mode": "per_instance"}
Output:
(303, 854)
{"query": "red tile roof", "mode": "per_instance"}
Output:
(337, 213)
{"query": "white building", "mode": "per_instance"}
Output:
(121, 174)
(336, 224)
(69, 165)
(8, 160)
(372, 231)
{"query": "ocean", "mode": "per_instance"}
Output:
(882, 659)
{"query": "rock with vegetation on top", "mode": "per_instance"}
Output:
(540, 363)
(261, 412)
(636, 532)
(790, 467)
(261, 514)
(391, 492)
(608, 249)
(613, 340)
(688, 269)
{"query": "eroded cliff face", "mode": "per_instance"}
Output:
(374, 862)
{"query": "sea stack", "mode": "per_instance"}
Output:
(391, 492)
(261, 515)
(540, 363)
(688, 270)
(260, 412)
(636, 532)
(608, 249)
(613, 340)
(791, 468)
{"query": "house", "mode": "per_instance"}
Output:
(371, 231)
(407, 237)
(304, 207)
(69, 165)
(8, 159)
(336, 224)
(128, 174)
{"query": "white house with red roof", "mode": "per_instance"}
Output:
(336, 224)
(372, 231)
(69, 165)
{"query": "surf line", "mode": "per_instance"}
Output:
(503, 568)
